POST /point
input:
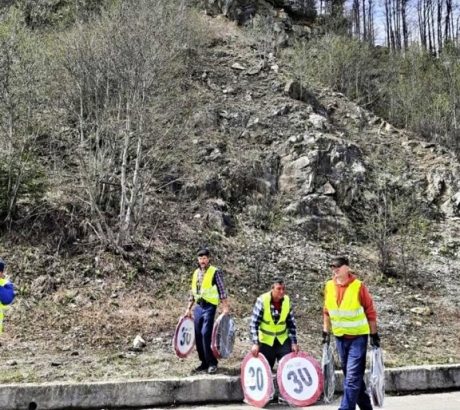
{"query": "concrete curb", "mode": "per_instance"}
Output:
(190, 390)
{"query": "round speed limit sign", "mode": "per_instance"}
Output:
(184, 337)
(299, 379)
(256, 380)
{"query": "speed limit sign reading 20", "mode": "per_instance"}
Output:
(256, 380)
(184, 337)
(299, 379)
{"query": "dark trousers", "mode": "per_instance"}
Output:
(275, 352)
(352, 354)
(204, 322)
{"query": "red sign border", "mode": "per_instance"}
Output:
(214, 348)
(300, 403)
(270, 391)
(176, 334)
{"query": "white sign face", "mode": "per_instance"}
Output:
(256, 380)
(184, 337)
(300, 379)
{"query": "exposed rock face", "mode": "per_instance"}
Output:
(238, 10)
(296, 91)
(322, 174)
(300, 8)
(322, 164)
(243, 10)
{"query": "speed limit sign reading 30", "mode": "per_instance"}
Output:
(300, 379)
(256, 380)
(184, 337)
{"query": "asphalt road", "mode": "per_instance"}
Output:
(437, 401)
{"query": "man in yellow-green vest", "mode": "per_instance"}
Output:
(6, 293)
(207, 291)
(350, 314)
(273, 327)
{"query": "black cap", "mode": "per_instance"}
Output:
(2, 265)
(203, 252)
(277, 280)
(339, 261)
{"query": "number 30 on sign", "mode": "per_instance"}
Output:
(256, 380)
(184, 337)
(299, 379)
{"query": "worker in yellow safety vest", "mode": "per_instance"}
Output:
(207, 291)
(350, 315)
(273, 327)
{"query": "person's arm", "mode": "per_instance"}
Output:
(219, 282)
(367, 303)
(256, 317)
(326, 322)
(292, 330)
(326, 318)
(191, 301)
(225, 305)
(327, 326)
(373, 326)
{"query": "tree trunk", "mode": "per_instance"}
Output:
(404, 24)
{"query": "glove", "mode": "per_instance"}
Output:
(326, 337)
(375, 340)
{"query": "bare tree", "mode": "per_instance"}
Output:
(20, 80)
(448, 21)
(405, 30)
(120, 68)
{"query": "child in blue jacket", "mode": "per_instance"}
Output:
(6, 292)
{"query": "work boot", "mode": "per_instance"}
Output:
(199, 369)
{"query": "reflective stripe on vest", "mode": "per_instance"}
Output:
(268, 329)
(208, 291)
(349, 318)
(3, 307)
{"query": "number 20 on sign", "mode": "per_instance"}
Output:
(256, 380)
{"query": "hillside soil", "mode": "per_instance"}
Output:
(76, 317)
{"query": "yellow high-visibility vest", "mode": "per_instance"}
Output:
(268, 329)
(349, 318)
(207, 291)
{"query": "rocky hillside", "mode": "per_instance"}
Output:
(275, 178)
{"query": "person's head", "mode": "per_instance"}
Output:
(2, 266)
(278, 289)
(340, 265)
(203, 257)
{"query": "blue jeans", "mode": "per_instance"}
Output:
(204, 322)
(352, 354)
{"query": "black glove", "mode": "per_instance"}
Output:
(326, 337)
(375, 340)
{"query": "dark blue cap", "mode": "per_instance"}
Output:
(2, 265)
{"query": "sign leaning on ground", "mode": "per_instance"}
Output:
(184, 337)
(300, 379)
(223, 336)
(256, 380)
